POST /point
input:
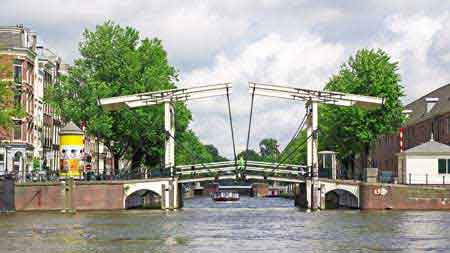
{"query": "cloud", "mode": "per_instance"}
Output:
(304, 61)
(295, 42)
(418, 43)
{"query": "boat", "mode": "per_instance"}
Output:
(223, 196)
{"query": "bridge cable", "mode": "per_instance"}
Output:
(193, 154)
(290, 154)
(231, 127)
(249, 127)
(297, 132)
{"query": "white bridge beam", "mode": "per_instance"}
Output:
(312, 99)
(166, 97)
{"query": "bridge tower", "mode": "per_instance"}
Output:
(312, 99)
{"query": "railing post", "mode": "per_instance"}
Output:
(409, 178)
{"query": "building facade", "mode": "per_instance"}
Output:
(426, 116)
(30, 144)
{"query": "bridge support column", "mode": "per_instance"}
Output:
(163, 196)
(171, 196)
(312, 155)
(322, 197)
(180, 194)
(309, 198)
(169, 126)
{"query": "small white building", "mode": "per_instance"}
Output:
(428, 163)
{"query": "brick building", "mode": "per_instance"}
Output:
(426, 115)
(34, 136)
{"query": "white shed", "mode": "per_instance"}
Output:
(428, 163)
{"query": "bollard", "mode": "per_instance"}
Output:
(409, 178)
(426, 178)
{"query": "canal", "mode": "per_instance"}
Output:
(253, 225)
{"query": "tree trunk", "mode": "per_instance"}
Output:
(136, 161)
(367, 161)
(116, 168)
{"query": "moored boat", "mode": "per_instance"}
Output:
(222, 196)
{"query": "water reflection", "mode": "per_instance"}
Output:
(253, 225)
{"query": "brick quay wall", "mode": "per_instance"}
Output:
(110, 196)
(58, 196)
(404, 197)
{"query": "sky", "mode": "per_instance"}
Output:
(297, 43)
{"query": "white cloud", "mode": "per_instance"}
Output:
(410, 44)
(305, 61)
(287, 42)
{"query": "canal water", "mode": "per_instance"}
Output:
(253, 225)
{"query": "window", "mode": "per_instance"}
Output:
(444, 166)
(17, 71)
(2, 163)
(17, 97)
(17, 132)
(448, 125)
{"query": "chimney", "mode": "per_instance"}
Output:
(430, 103)
(33, 41)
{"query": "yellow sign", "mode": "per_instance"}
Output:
(71, 148)
(71, 140)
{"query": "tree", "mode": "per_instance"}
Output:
(351, 130)
(191, 150)
(268, 148)
(251, 155)
(295, 152)
(7, 108)
(114, 62)
(214, 152)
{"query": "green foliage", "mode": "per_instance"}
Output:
(7, 108)
(114, 62)
(295, 153)
(214, 152)
(268, 148)
(251, 155)
(36, 163)
(351, 130)
(190, 150)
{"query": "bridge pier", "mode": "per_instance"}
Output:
(313, 195)
(171, 198)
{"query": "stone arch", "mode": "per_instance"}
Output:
(151, 186)
(143, 198)
(341, 197)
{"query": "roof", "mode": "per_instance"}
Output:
(71, 128)
(431, 147)
(418, 107)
